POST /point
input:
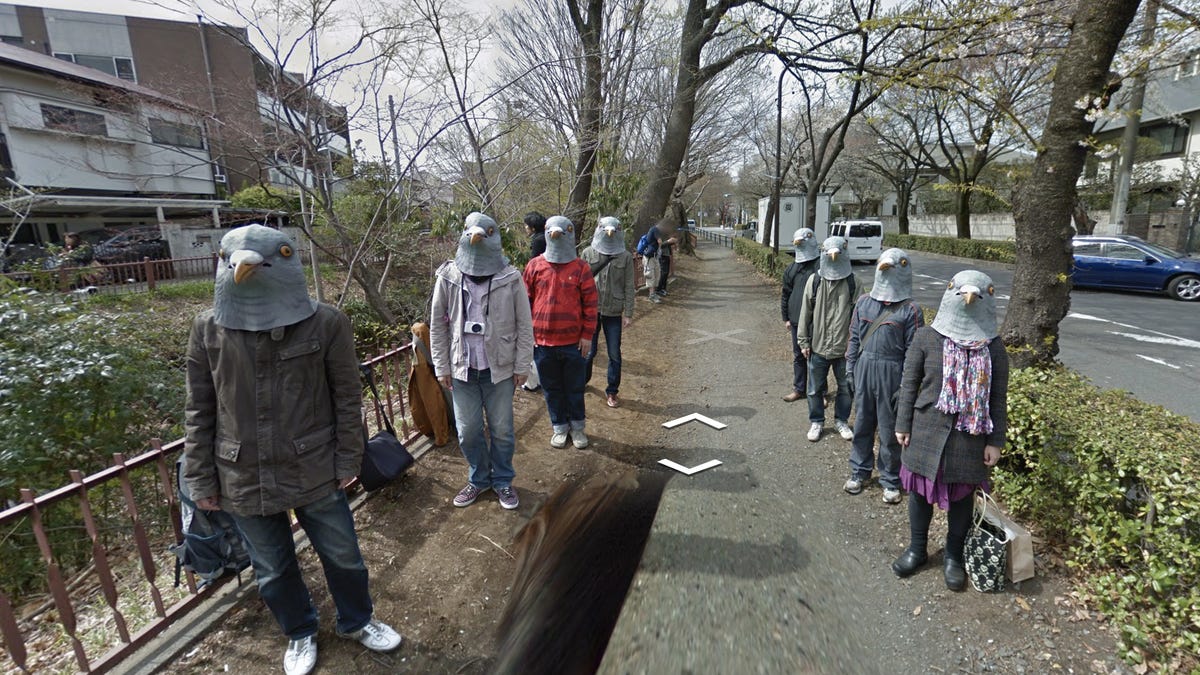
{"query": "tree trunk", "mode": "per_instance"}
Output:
(589, 109)
(1042, 208)
(903, 199)
(962, 212)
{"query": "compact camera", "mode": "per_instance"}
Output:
(473, 327)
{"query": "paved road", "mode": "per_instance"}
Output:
(763, 564)
(1145, 344)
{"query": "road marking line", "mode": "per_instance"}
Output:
(1175, 339)
(694, 470)
(715, 336)
(1158, 361)
(694, 417)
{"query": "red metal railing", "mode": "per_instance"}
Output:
(138, 553)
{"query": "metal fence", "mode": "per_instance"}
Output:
(101, 544)
(124, 277)
(721, 238)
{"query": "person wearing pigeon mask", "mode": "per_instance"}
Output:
(808, 250)
(882, 327)
(823, 333)
(481, 344)
(612, 268)
(951, 419)
(563, 296)
(274, 424)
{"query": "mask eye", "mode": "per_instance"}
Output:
(570, 228)
(991, 290)
(491, 231)
(904, 262)
(221, 254)
(285, 251)
(950, 285)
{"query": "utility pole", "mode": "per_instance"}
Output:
(1133, 119)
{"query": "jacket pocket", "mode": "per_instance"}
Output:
(302, 348)
(227, 450)
(315, 440)
(506, 352)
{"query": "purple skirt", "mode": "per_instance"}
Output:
(937, 491)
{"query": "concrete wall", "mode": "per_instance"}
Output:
(189, 241)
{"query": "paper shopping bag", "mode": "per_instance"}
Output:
(1020, 544)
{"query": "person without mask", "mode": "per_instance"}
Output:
(274, 424)
(481, 342)
(951, 419)
(612, 268)
(795, 277)
(881, 329)
(564, 301)
(823, 335)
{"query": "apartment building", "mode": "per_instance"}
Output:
(251, 105)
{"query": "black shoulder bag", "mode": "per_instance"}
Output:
(384, 457)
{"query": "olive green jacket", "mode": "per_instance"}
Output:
(614, 283)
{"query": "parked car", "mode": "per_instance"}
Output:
(129, 245)
(1127, 263)
(864, 238)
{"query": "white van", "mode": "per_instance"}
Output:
(864, 238)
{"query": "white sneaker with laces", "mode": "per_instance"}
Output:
(891, 496)
(853, 485)
(814, 432)
(301, 656)
(844, 429)
(558, 440)
(376, 636)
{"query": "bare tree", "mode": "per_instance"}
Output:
(1081, 86)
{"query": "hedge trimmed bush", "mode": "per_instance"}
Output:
(995, 251)
(764, 259)
(1116, 479)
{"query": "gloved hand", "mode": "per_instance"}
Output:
(850, 384)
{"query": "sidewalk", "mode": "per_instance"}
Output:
(761, 564)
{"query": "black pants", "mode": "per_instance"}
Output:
(664, 266)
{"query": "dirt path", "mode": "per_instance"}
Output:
(441, 575)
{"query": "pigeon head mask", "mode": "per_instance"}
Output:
(480, 253)
(608, 238)
(968, 309)
(560, 240)
(260, 281)
(893, 276)
(806, 245)
(835, 259)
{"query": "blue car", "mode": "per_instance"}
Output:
(1127, 263)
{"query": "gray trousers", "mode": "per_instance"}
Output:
(875, 381)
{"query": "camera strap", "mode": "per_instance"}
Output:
(487, 299)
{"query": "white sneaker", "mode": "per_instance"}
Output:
(376, 636)
(558, 440)
(844, 429)
(301, 656)
(891, 496)
(579, 438)
(814, 432)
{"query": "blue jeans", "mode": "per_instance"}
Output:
(491, 464)
(799, 366)
(330, 527)
(612, 339)
(818, 375)
(564, 376)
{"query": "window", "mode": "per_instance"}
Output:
(75, 121)
(6, 167)
(117, 66)
(866, 230)
(12, 40)
(1171, 138)
(1088, 248)
(1125, 252)
(175, 133)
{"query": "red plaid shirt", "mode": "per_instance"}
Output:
(563, 298)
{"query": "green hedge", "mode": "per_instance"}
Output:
(995, 251)
(1114, 478)
(764, 259)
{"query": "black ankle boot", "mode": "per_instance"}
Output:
(956, 576)
(909, 562)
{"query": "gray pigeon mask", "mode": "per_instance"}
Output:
(560, 240)
(968, 309)
(480, 252)
(893, 277)
(260, 281)
(835, 259)
(806, 245)
(608, 238)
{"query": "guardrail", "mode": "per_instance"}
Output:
(721, 238)
(109, 602)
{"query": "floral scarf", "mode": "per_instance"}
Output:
(967, 385)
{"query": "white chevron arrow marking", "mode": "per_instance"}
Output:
(694, 417)
(694, 470)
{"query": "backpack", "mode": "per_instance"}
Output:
(212, 545)
(647, 246)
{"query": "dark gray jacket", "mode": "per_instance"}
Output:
(794, 278)
(934, 439)
(614, 283)
(273, 418)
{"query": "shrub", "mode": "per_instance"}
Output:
(1114, 478)
(764, 259)
(994, 251)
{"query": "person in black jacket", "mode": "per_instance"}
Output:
(808, 252)
(535, 224)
